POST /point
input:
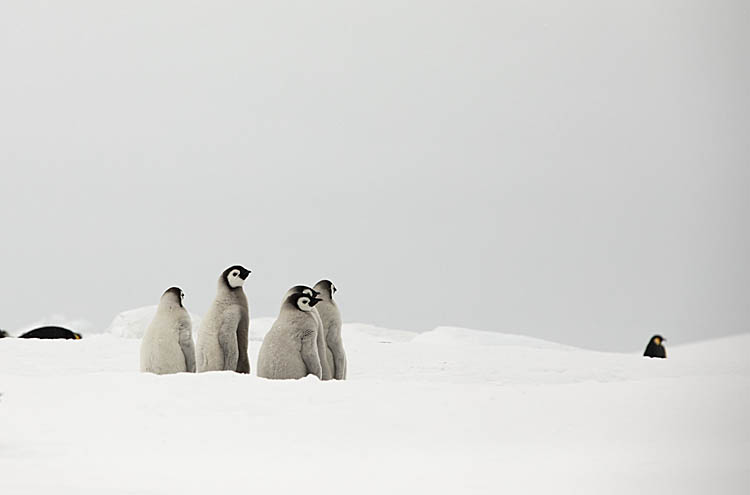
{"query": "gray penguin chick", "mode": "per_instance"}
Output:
(290, 349)
(327, 369)
(167, 345)
(223, 334)
(331, 319)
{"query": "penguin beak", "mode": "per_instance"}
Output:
(314, 301)
(244, 275)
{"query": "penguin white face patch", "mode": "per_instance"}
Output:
(234, 280)
(303, 303)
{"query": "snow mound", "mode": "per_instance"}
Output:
(432, 410)
(465, 336)
(731, 344)
(132, 324)
(362, 331)
(731, 351)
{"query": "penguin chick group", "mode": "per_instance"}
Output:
(305, 339)
(167, 346)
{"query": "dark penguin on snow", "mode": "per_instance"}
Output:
(655, 349)
(3, 334)
(51, 333)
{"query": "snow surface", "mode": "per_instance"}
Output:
(447, 411)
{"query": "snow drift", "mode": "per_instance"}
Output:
(446, 411)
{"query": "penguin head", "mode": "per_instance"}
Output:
(326, 288)
(302, 289)
(235, 276)
(174, 294)
(77, 336)
(657, 339)
(303, 302)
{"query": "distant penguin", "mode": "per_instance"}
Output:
(223, 334)
(331, 318)
(51, 333)
(327, 369)
(167, 345)
(3, 334)
(289, 349)
(655, 349)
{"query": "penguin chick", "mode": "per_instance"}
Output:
(223, 335)
(655, 349)
(167, 345)
(51, 333)
(289, 349)
(327, 370)
(331, 319)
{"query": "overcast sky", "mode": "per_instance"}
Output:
(576, 171)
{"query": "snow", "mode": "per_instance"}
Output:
(447, 411)
(132, 324)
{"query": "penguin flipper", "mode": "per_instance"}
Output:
(310, 354)
(228, 338)
(186, 344)
(326, 370)
(243, 361)
(339, 361)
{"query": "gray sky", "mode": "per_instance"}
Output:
(574, 172)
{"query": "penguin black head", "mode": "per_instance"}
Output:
(235, 276)
(303, 289)
(657, 339)
(302, 302)
(177, 293)
(326, 287)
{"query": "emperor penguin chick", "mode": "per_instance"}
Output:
(223, 338)
(289, 349)
(327, 370)
(331, 319)
(167, 345)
